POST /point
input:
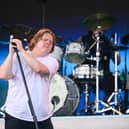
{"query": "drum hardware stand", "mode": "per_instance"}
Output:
(115, 94)
(92, 46)
(86, 97)
(126, 95)
(127, 88)
(87, 103)
(26, 87)
(107, 106)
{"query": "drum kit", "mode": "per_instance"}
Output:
(75, 53)
(64, 92)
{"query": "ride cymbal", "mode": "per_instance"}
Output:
(99, 21)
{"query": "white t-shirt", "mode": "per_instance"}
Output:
(17, 99)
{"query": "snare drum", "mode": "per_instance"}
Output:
(85, 71)
(75, 52)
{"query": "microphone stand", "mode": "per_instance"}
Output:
(43, 12)
(27, 91)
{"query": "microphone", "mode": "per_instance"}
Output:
(13, 43)
(15, 48)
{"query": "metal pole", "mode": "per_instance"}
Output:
(27, 91)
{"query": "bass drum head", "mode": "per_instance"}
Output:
(64, 96)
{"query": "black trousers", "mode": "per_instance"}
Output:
(14, 123)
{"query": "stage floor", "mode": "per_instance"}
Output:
(88, 122)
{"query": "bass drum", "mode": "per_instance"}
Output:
(64, 96)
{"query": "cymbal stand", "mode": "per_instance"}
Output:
(115, 93)
(107, 106)
(97, 71)
(86, 97)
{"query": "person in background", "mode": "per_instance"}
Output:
(39, 68)
(105, 54)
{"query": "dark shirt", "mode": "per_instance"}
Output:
(105, 53)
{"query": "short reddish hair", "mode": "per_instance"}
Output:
(38, 35)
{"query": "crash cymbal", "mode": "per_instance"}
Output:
(20, 31)
(99, 21)
(125, 39)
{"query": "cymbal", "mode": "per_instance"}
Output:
(125, 39)
(99, 21)
(20, 31)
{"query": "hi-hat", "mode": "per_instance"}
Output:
(20, 31)
(99, 21)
